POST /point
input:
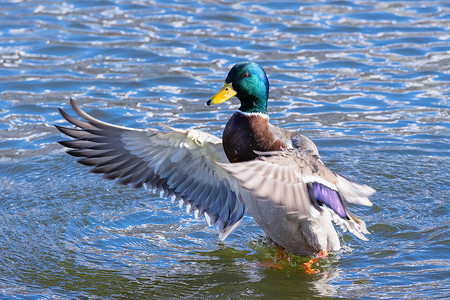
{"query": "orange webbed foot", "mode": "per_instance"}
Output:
(308, 266)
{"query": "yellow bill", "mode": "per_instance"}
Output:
(223, 95)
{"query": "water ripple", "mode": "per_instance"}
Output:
(368, 81)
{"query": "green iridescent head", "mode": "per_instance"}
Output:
(248, 82)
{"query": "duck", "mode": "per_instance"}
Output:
(273, 174)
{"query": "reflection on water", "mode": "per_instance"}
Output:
(368, 81)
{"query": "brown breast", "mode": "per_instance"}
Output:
(245, 133)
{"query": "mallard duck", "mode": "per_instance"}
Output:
(274, 174)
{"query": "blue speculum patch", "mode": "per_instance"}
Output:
(323, 195)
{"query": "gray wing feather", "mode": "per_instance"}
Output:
(181, 163)
(282, 178)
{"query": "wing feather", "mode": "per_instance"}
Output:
(302, 185)
(176, 162)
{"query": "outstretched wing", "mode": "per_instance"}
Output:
(179, 163)
(301, 184)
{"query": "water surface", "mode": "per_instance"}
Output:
(367, 81)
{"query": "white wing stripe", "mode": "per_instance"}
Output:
(307, 179)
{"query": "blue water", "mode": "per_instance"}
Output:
(367, 81)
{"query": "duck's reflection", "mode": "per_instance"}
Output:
(261, 272)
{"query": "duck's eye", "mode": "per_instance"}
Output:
(246, 74)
